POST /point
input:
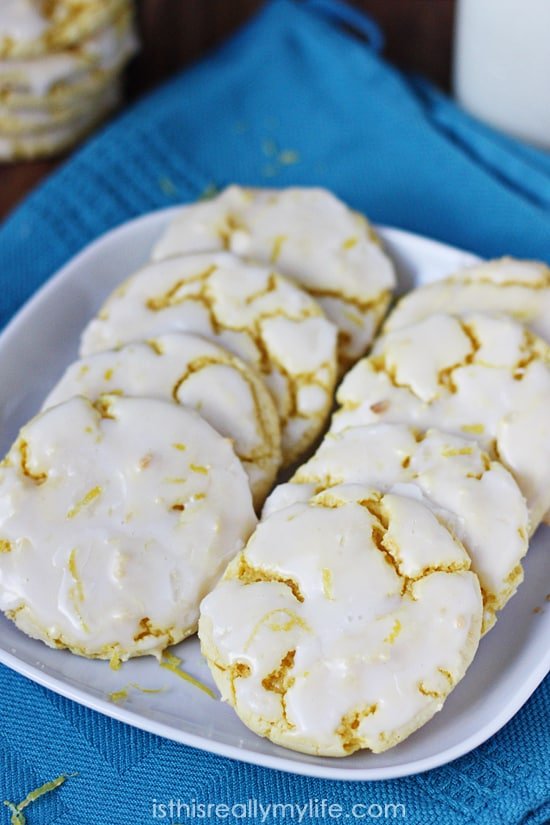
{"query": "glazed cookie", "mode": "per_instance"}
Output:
(29, 28)
(507, 286)
(36, 126)
(115, 521)
(192, 371)
(475, 498)
(260, 316)
(338, 628)
(311, 237)
(484, 378)
(22, 145)
(33, 87)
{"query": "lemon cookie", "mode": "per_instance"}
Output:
(38, 90)
(35, 126)
(16, 144)
(260, 316)
(484, 378)
(311, 237)
(476, 498)
(34, 27)
(115, 521)
(338, 627)
(508, 286)
(192, 371)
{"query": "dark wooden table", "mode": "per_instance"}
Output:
(177, 32)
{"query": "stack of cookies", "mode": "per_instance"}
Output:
(60, 67)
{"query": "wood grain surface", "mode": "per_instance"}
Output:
(175, 33)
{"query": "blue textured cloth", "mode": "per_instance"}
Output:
(294, 98)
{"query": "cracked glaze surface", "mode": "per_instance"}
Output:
(508, 286)
(40, 83)
(484, 378)
(260, 316)
(311, 237)
(31, 28)
(476, 498)
(344, 623)
(115, 522)
(192, 371)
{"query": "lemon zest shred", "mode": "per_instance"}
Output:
(288, 157)
(17, 818)
(147, 690)
(198, 468)
(349, 243)
(172, 663)
(119, 696)
(17, 815)
(90, 496)
(292, 621)
(277, 247)
(451, 452)
(327, 584)
(394, 632)
(477, 429)
(79, 590)
(76, 592)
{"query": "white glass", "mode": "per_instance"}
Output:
(502, 65)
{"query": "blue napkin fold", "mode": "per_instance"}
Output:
(295, 97)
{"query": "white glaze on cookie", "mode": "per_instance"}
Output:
(344, 623)
(192, 371)
(115, 521)
(476, 498)
(258, 315)
(311, 237)
(507, 286)
(484, 378)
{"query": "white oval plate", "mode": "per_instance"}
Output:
(512, 660)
